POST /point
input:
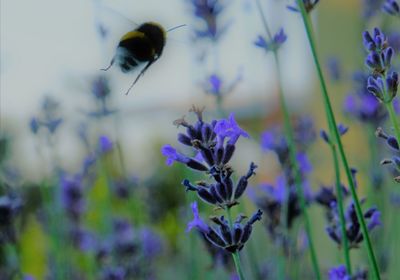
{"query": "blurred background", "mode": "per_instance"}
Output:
(59, 111)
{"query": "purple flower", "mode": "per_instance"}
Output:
(100, 87)
(34, 125)
(278, 192)
(114, 273)
(82, 239)
(391, 7)
(342, 129)
(375, 220)
(394, 41)
(229, 128)
(334, 71)
(172, 155)
(353, 228)
(10, 206)
(72, 196)
(362, 104)
(48, 117)
(208, 12)
(215, 83)
(371, 7)
(105, 144)
(197, 222)
(304, 163)
(151, 243)
(232, 239)
(338, 273)
(277, 41)
(269, 141)
(376, 41)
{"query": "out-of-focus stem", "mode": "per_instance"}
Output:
(334, 131)
(339, 193)
(292, 151)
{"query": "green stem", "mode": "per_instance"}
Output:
(220, 109)
(251, 252)
(292, 150)
(393, 119)
(236, 257)
(339, 192)
(334, 131)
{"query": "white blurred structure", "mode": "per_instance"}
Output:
(52, 46)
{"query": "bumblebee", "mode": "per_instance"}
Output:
(144, 44)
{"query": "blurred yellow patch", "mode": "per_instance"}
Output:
(33, 250)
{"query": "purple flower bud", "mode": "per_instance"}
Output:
(392, 142)
(375, 86)
(374, 62)
(392, 82)
(387, 55)
(243, 181)
(184, 139)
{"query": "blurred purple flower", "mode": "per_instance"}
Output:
(151, 243)
(338, 273)
(215, 86)
(392, 7)
(334, 69)
(362, 105)
(100, 87)
(371, 7)
(277, 41)
(105, 144)
(72, 196)
(208, 12)
(34, 125)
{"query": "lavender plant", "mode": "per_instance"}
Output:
(215, 144)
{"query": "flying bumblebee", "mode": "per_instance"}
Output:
(144, 44)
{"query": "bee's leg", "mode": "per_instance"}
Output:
(109, 66)
(140, 74)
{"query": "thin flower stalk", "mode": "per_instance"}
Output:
(334, 131)
(339, 192)
(292, 149)
(235, 256)
(393, 119)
